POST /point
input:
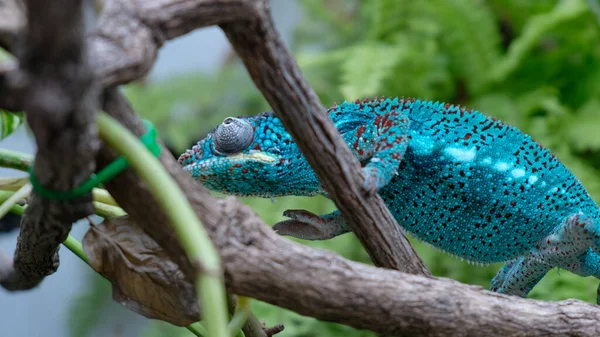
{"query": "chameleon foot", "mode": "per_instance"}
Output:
(373, 180)
(309, 226)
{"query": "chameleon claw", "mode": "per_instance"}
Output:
(372, 181)
(303, 225)
(297, 229)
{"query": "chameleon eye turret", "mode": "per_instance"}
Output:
(233, 135)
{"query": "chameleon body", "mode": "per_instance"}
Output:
(465, 183)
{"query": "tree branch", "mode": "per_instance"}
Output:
(59, 101)
(129, 33)
(276, 74)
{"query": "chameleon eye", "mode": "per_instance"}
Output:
(233, 135)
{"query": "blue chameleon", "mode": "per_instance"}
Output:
(465, 183)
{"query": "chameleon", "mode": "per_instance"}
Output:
(466, 183)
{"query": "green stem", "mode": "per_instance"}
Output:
(108, 211)
(242, 312)
(19, 195)
(4, 195)
(76, 247)
(17, 209)
(197, 329)
(192, 235)
(13, 184)
(103, 196)
(15, 160)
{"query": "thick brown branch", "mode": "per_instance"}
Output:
(129, 33)
(276, 74)
(260, 264)
(125, 44)
(59, 101)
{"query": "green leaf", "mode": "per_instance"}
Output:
(501, 106)
(388, 17)
(470, 38)
(583, 129)
(10, 122)
(365, 68)
(537, 27)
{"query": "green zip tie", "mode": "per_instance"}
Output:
(110, 171)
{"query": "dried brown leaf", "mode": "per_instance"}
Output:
(144, 279)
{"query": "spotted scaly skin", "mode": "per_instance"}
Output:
(465, 183)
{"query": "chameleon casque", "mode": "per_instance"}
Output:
(465, 183)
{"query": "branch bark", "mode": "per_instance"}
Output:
(59, 100)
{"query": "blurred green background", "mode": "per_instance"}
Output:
(532, 63)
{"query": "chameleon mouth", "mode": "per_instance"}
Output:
(258, 156)
(238, 158)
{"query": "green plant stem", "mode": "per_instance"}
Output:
(13, 184)
(194, 239)
(15, 160)
(108, 211)
(17, 209)
(76, 247)
(19, 195)
(240, 316)
(4, 195)
(197, 329)
(102, 195)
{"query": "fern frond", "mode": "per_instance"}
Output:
(365, 68)
(389, 17)
(534, 30)
(470, 37)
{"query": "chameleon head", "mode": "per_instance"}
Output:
(250, 156)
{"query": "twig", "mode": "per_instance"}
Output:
(240, 316)
(275, 329)
(278, 77)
